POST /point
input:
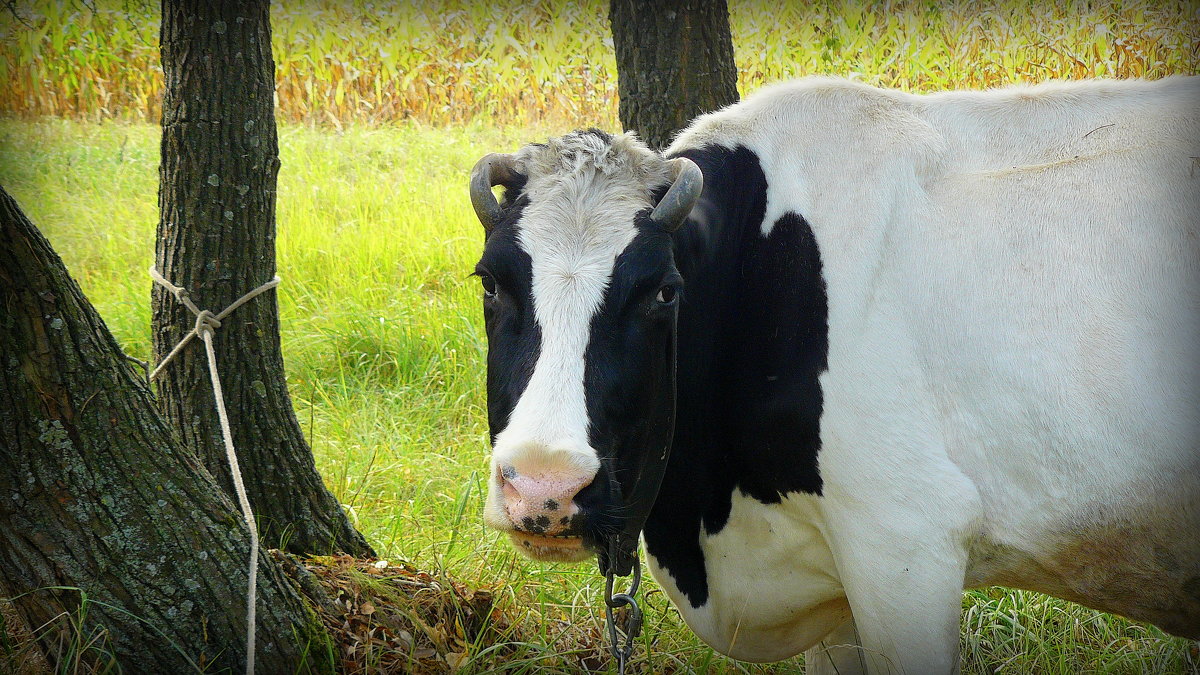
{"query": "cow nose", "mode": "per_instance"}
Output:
(541, 502)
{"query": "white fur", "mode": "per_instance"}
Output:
(765, 546)
(1013, 280)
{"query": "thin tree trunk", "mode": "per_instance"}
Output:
(105, 522)
(216, 238)
(674, 62)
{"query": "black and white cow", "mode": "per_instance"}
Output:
(896, 346)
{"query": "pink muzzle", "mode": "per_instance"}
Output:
(541, 503)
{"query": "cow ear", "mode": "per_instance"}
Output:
(674, 207)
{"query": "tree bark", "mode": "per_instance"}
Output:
(216, 238)
(103, 516)
(674, 62)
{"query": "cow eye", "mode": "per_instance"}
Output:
(666, 295)
(489, 286)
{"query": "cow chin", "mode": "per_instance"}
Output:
(552, 549)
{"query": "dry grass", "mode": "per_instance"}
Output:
(455, 61)
(19, 654)
(390, 617)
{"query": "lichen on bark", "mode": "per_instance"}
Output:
(101, 509)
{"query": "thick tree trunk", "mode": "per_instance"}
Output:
(216, 238)
(674, 62)
(102, 514)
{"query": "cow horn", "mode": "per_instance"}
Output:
(494, 169)
(675, 206)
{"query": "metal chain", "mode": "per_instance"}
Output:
(631, 626)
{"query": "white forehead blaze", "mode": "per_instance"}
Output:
(580, 218)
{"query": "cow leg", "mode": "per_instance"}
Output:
(900, 513)
(902, 563)
(838, 654)
(906, 596)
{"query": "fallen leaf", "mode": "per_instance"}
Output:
(456, 659)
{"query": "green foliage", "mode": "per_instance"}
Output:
(454, 61)
(383, 345)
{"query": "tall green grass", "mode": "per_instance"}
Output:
(383, 346)
(452, 61)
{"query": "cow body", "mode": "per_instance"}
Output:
(928, 343)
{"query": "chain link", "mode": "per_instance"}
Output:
(631, 625)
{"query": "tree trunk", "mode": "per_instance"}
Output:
(216, 238)
(674, 62)
(105, 522)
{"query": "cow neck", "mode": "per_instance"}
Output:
(621, 555)
(751, 344)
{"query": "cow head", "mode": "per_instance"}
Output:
(580, 297)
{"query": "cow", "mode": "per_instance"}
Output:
(840, 352)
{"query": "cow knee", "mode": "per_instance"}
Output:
(839, 653)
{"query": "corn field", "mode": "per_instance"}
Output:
(454, 61)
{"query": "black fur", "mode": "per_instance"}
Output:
(628, 378)
(752, 341)
(514, 337)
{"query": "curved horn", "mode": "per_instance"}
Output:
(675, 206)
(493, 169)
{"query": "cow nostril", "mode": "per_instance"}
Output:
(540, 502)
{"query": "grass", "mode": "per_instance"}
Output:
(342, 62)
(384, 348)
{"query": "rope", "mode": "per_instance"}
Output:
(204, 318)
(205, 327)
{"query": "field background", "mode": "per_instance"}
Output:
(382, 112)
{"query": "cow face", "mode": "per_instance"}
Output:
(580, 297)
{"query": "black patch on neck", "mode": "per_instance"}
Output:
(753, 339)
(778, 347)
(514, 336)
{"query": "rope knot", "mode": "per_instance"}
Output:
(206, 321)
